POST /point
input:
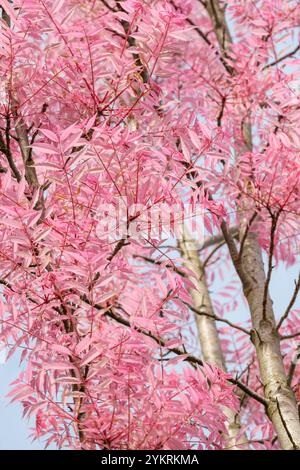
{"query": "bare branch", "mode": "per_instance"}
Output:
(217, 16)
(211, 254)
(215, 239)
(293, 366)
(282, 58)
(216, 318)
(190, 358)
(249, 392)
(159, 263)
(221, 112)
(291, 336)
(290, 305)
(6, 151)
(191, 22)
(160, 341)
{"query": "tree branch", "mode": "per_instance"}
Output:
(291, 304)
(190, 358)
(191, 22)
(285, 56)
(211, 254)
(159, 263)
(216, 318)
(7, 152)
(293, 366)
(215, 239)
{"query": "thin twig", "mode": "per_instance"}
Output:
(285, 56)
(215, 239)
(191, 22)
(216, 318)
(293, 366)
(291, 304)
(211, 254)
(189, 358)
(291, 336)
(159, 263)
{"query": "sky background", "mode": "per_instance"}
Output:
(14, 430)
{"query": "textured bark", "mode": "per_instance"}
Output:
(207, 330)
(21, 131)
(22, 134)
(217, 16)
(282, 407)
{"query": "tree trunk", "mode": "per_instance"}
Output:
(207, 330)
(282, 407)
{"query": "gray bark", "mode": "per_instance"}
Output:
(207, 330)
(282, 407)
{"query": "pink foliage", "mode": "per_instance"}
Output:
(124, 102)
